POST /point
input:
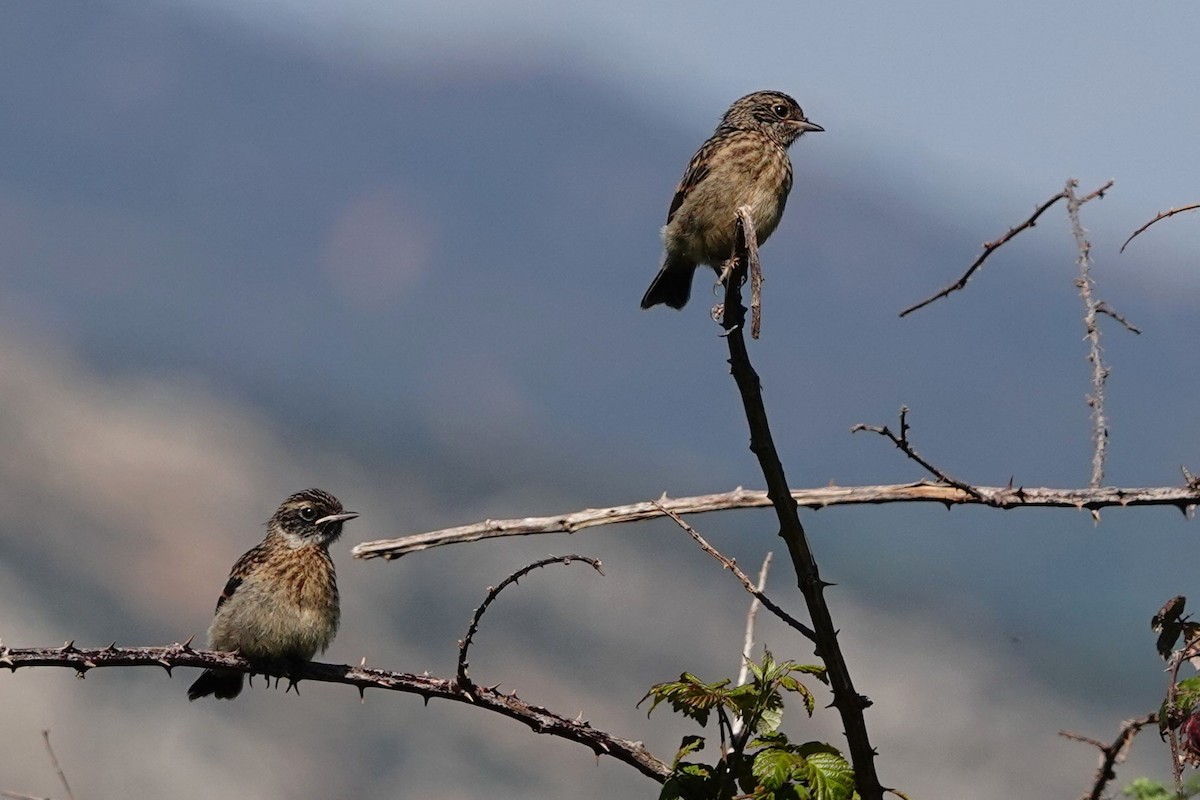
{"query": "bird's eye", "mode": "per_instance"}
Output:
(780, 110)
(308, 513)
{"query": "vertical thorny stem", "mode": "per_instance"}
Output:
(846, 699)
(1091, 308)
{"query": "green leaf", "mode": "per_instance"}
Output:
(690, 744)
(774, 767)
(689, 782)
(689, 696)
(828, 775)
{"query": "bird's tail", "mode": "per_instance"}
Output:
(672, 285)
(225, 684)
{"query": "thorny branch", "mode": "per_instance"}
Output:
(992, 246)
(1170, 212)
(1092, 307)
(902, 442)
(732, 566)
(537, 718)
(849, 703)
(1111, 754)
(492, 592)
(1183, 498)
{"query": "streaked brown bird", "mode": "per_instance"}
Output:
(280, 605)
(745, 162)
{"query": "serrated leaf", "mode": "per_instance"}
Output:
(690, 744)
(829, 776)
(792, 685)
(774, 767)
(689, 696)
(770, 718)
(774, 739)
(1187, 694)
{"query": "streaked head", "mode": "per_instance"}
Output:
(312, 516)
(774, 113)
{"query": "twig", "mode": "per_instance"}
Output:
(538, 719)
(992, 246)
(846, 699)
(1103, 308)
(751, 614)
(1170, 212)
(1111, 754)
(1092, 307)
(54, 763)
(730, 565)
(1182, 498)
(748, 638)
(492, 592)
(902, 442)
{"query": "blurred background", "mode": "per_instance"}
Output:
(395, 250)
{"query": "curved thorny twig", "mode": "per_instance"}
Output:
(1170, 212)
(493, 591)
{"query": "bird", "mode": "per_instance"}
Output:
(280, 605)
(744, 162)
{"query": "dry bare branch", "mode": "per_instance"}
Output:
(1182, 498)
(1111, 754)
(1092, 307)
(1170, 212)
(992, 246)
(538, 719)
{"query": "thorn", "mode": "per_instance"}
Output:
(68, 647)
(162, 662)
(111, 647)
(425, 697)
(1010, 482)
(89, 663)
(363, 663)
(187, 646)
(362, 694)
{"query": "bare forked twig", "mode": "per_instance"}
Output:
(995, 244)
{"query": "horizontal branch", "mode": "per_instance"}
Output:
(1181, 497)
(539, 719)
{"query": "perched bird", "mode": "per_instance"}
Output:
(280, 605)
(745, 162)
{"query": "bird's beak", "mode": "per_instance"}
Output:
(806, 126)
(337, 517)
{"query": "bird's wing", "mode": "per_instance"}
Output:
(697, 170)
(244, 565)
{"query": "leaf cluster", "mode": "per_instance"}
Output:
(756, 761)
